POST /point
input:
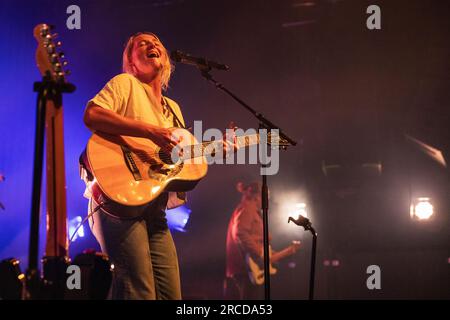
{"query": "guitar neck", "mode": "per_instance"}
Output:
(211, 147)
(286, 252)
(249, 140)
(57, 240)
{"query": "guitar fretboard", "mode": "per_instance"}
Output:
(216, 146)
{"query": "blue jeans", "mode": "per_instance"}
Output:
(142, 251)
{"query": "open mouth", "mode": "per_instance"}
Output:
(153, 54)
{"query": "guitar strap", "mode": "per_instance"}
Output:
(181, 196)
(176, 120)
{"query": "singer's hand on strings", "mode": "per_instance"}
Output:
(165, 138)
(230, 144)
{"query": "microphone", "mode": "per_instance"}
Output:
(179, 56)
(303, 222)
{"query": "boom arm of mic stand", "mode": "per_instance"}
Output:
(266, 123)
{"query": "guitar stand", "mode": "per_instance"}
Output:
(47, 89)
(306, 224)
(263, 124)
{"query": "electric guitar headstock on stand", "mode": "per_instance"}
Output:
(95, 267)
(49, 124)
(49, 133)
(49, 58)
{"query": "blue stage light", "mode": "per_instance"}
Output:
(177, 218)
(73, 225)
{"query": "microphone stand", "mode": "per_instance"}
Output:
(306, 224)
(263, 124)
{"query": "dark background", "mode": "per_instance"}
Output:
(346, 94)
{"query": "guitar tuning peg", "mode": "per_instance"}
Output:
(65, 63)
(53, 58)
(44, 32)
(59, 44)
(50, 49)
(51, 36)
(61, 55)
(67, 72)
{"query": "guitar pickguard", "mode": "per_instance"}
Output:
(157, 170)
(163, 171)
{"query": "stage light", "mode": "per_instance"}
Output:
(73, 225)
(335, 263)
(177, 218)
(298, 209)
(291, 202)
(421, 209)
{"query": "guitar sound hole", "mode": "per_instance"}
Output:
(165, 168)
(167, 158)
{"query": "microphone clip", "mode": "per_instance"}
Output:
(202, 63)
(303, 222)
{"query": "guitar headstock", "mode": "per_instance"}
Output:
(48, 58)
(276, 141)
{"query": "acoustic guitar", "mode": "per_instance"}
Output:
(135, 171)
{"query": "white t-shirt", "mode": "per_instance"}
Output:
(129, 97)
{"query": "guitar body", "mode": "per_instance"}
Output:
(256, 273)
(133, 172)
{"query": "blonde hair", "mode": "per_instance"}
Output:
(168, 67)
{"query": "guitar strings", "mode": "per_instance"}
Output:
(196, 150)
